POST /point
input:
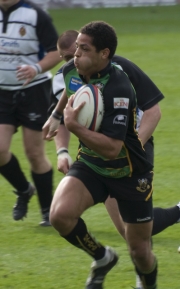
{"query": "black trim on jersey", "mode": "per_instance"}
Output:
(18, 54)
(33, 81)
(58, 92)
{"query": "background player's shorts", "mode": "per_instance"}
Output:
(133, 194)
(26, 107)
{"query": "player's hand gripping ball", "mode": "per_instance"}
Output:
(91, 114)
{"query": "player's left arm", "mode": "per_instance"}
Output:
(47, 37)
(28, 72)
(149, 121)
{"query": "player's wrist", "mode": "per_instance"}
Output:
(37, 67)
(61, 151)
(56, 115)
(62, 154)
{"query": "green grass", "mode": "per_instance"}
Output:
(35, 257)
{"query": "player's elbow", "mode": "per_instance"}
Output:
(113, 153)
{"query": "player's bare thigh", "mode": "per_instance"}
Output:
(6, 133)
(70, 200)
(113, 211)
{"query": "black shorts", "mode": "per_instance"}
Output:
(133, 194)
(27, 107)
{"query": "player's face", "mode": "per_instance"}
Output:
(5, 4)
(67, 54)
(86, 59)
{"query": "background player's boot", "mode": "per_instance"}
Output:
(21, 207)
(98, 273)
(45, 219)
(138, 283)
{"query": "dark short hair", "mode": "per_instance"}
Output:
(67, 38)
(103, 36)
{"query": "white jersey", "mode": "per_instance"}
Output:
(139, 114)
(58, 84)
(26, 35)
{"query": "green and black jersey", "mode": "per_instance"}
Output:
(119, 121)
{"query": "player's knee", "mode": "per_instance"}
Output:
(139, 251)
(36, 158)
(59, 219)
(5, 157)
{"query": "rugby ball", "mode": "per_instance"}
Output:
(91, 114)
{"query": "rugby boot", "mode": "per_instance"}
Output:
(45, 220)
(21, 207)
(98, 273)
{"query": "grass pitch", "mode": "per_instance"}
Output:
(32, 257)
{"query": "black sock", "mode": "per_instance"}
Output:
(149, 279)
(14, 175)
(164, 218)
(44, 187)
(82, 239)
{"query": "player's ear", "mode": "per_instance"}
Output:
(105, 53)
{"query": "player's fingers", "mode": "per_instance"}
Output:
(45, 130)
(78, 108)
(51, 135)
(27, 81)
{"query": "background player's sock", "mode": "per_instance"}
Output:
(44, 187)
(14, 175)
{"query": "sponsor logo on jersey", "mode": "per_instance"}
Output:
(121, 102)
(15, 59)
(75, 83)
(120, 119)
(22, 31)
(143, 185)
(7, 43)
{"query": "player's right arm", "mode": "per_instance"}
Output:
(64, 160)
(149, 121)
(51, 126)
(148, 96)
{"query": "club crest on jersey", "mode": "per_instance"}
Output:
(121, 102)
(22, 31)
(143, 185)
(120, 119)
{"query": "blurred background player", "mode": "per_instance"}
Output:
(163, 218)
(28, 51)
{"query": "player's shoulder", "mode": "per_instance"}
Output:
(68, 67)
(125, 63)
(117, 71)
(43, 15)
